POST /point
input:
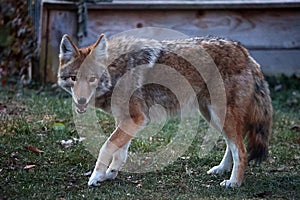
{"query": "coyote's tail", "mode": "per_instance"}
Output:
(260, 119)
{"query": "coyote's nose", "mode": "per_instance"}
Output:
(81, 101)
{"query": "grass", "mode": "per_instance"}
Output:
(28, 117)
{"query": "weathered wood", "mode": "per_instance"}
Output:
(58, 24)
(275, 62)
(271, 29)
(40, 74)
(171, 4)
(272, 35)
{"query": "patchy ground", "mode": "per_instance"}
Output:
(43, 157)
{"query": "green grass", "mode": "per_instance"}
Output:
(60, 173)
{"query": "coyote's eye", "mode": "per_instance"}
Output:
(63, 78)
(92, 79)
(73, 78)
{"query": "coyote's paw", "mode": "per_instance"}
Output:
(97, 177)
(111, 174)
(230, 183)
(218, 169)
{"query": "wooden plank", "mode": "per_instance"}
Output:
(171, 4)
(271, 29)
(39, 73)
(37, 19)
(275, 62)
(60, 23)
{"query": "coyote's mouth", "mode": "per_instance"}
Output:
(81, 108)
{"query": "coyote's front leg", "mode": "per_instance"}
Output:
(116, 141)
(117, 145)
(119, 158)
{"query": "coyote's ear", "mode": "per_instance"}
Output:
(99, 48)
(68, 49)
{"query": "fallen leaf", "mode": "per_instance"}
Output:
(263, 194)
(278, 87)
(106, 122)
(29, 166)
(14, 155)
(58, 126)
(87, 173)
(34, 149)
(206, 185)
(271, 160)
(69, 142)
(79, 139)
(3, 82)
(3, 108)
(282, 168)
(29, 119)
(66, 143)
(295, 127)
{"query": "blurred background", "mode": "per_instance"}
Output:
(31, 30)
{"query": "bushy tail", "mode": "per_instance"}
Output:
(260, 121)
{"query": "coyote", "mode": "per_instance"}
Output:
(90, 74)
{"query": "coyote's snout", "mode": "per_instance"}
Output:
(91, 74)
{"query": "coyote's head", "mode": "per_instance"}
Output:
(82, 71)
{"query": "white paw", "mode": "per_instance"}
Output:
(111, 173)
(97, 177)
(230, 183)
(217, 170)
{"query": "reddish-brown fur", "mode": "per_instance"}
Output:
(248, 103)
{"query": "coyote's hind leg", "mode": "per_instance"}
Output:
(225, 164)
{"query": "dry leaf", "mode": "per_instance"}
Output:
(69, 142)
(281, 168)
(29, 166)
(79, 139)
(106, 122)
(34, 149)
(263, 194)
(295, 127)
(87, 173)
(66, 143)
(3, 108)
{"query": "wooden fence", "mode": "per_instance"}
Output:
(269, 29)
